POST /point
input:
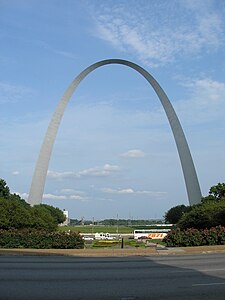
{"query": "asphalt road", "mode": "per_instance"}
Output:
(162, 277)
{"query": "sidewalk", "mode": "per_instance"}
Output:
(117, 252)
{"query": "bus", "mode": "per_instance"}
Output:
(155, 231)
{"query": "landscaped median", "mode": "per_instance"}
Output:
(116, 252)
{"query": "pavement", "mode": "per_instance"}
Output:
(118, 252)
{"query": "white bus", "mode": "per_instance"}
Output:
(157, 231)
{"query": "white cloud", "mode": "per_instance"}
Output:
(76, 197)
(100, 171)
(64, 197)
(103, 171)
(15, 173)
(50, 196)
(157, 39)
(70, 191)
(207, 98)
(61, 175)
(131, 191)
(23, 195)
(136, 153)
(10, 93)
(117, 191)
(54, 197)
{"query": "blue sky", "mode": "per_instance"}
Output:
(114, 153)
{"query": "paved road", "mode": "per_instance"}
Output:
(164, 277)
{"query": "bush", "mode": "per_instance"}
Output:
(195, 237)
(40, 239)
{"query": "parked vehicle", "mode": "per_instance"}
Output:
(103, 236)
(87, 238)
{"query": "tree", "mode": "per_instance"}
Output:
(16, 213)
(216, 193)
(13, 214)
(42, 219)
(174, 214)
(205, 215)
(4, 189)
(55, 212)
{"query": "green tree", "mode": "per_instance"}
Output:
(205, 215)
(42, 219)
(16, 213)
(174, 214)
(55, 212)
(13, 214)
(4, 216)
(4, 189)
(216, 193)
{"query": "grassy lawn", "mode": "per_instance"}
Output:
(96, 228)
(117, 243)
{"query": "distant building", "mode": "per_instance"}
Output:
(67, 221)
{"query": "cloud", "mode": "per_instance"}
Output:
(103, 171)
(136, 153)
(66, 54)
(130, 191)
(207, 97)
(15, 173)
(13, 93)
(71, 191)
(54, 197)
(76, 197)
(100, 171)
(157, 39)
(64, 194)
(22, 195)
(64, 197)
(61, 175)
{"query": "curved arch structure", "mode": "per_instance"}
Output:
(190, 176)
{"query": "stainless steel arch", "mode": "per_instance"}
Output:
(39, 176)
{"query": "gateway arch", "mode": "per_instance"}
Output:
(40, 173)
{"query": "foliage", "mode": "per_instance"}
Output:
(195, 237)
(206, 215)
(209, 213)
(4, 190)
(115, 222)
(40, 239)
(174, 214)
(16, 213)
(129, 222)
(216, 193)
(55, 212)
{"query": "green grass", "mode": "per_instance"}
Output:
(96, 228)
(117, 243)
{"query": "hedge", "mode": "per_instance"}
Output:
(40, 239)
(195, 237)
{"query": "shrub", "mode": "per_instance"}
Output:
(195, 237)
(40, 239)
